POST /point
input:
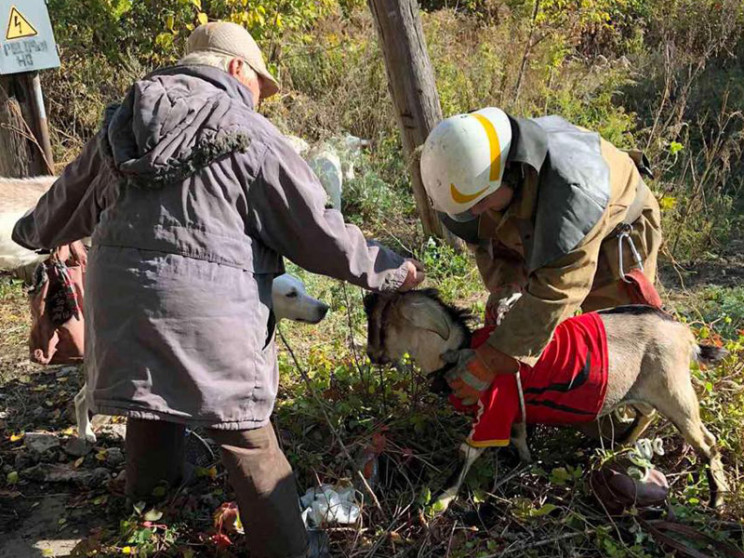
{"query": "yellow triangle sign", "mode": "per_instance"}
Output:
(18, 26)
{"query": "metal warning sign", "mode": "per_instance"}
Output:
(18, 26)
(27, 40)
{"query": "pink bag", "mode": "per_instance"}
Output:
(56, 300)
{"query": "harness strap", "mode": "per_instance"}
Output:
(635, 209)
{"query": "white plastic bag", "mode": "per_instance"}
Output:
(326, 505)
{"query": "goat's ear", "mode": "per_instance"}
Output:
(423, 316)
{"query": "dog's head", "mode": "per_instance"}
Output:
(291, 302)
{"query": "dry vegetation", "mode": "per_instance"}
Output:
(663, 75)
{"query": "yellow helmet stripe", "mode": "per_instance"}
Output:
(459, 197)
(493, 142)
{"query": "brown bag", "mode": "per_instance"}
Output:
(56, 300)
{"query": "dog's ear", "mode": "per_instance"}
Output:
(424, 315)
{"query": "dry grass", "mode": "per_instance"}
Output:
(15, 322)
(543, 510)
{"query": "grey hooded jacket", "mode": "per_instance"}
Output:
(193, 198)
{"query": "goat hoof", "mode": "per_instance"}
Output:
(717, 502)
(90, 437)
(442, 502)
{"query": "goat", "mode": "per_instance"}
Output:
(18, 196)
(648, 352)
(289, 300)
(332, 161)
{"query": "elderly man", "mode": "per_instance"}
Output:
(554, 213)
(192, 199)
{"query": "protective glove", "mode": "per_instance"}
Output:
(475, 369)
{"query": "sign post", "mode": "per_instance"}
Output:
(26, 46)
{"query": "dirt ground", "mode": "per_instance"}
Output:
(726, 270)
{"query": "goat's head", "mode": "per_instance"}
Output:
(415, 322)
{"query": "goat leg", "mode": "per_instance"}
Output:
(519, 439)
(645, 415)
(469, 455)
(81, 416)
(681, 406)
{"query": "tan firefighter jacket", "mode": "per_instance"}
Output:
(557, 240)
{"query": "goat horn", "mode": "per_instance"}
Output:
(423, 316)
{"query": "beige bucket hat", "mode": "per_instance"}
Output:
(233, 40)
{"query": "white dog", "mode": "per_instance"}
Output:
(290, 301)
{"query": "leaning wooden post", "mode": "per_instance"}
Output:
(18, 155)
(27, 46)
(414, 91)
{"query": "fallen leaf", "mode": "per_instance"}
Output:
(559, 476)
(128, 550)
(210, 472)
(12, 477)
(545, 510)
(78, 462)
(222, 541)
(227, 517)
(153, 515)
(16, 437)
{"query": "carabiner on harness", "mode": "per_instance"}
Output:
(624, 234)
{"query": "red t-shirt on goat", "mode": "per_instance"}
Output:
(567, 385)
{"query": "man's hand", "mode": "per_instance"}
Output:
(415, 275)
(475, 371)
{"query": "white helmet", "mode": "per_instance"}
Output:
(464, 158)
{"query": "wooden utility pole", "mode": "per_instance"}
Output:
(413, 88)
(21, 154)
